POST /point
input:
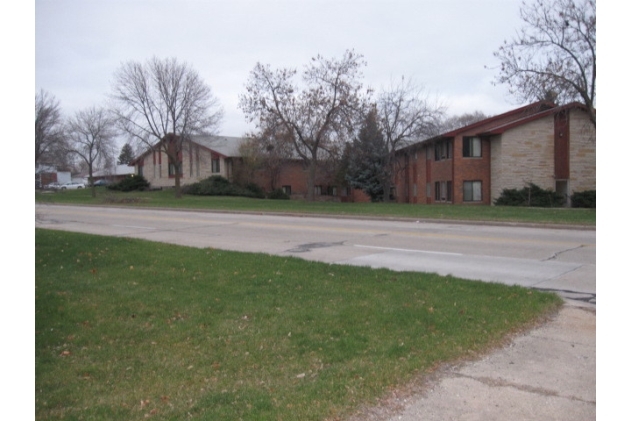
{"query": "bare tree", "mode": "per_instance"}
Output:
(266, 151)
(318, 117)
(161, 104)
(49, 133)
(458, 121)
(92, 138)
(406, 114)
(554, 54)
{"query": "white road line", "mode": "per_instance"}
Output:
(133, 226)
(408, 250)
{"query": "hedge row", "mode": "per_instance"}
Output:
(533, 195)
(220, 186)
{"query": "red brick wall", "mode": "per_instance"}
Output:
(295, 175)
(471, 169)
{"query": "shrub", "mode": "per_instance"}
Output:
(256, 190)
(130, 183)
(531, 195)
(278, 194)
(220, 186)
(584, 199)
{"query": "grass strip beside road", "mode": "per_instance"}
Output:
(166, 199)
(130, 329)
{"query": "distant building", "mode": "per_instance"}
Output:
(47, 174)
(114, 174)
(206, 156)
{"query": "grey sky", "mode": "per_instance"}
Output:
(443, 45)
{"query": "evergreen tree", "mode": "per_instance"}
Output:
(366, 159)
(126, 155)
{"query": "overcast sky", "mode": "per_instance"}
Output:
(443, 45)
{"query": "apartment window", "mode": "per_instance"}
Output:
(442, 150)
(472, 147)
(196, 154)
(215, 166)
(173, 168)
(472, 191)
(442, 191)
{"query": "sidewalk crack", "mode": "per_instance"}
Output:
(497, 382)
(558, 253)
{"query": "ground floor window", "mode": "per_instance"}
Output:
(173, 168)
(472, 191)
(442, 191)
(317, 190)
(287, 190)
(140, 172)
(215, 166)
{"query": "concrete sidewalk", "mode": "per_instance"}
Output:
(548, 373)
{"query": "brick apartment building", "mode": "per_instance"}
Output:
(551, 146)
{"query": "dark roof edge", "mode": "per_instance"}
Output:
(502, 128)
(541, 105)
(545, 108)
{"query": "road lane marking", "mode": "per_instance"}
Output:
(408, 250)
(134, 226)
(320, 228)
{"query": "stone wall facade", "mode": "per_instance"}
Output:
(196, 165)
(582, 153)
(522, 155)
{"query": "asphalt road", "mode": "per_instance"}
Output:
(561, 260)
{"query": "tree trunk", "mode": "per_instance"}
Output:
(91, 181)
(386, 190)
(178, 190)
(311, 180)
(387, 179)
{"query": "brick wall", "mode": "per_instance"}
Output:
(471, 169)
(411, 179)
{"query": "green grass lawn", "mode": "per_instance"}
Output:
(128, 329)
(165, 198)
